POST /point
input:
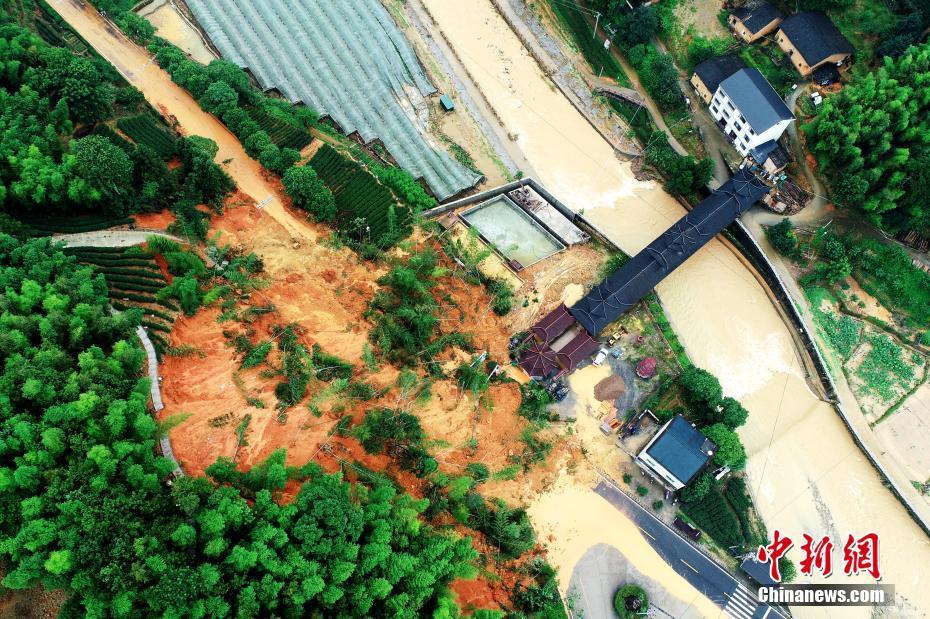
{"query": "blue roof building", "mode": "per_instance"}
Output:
(676, 454)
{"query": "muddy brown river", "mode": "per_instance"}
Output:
(805, 471)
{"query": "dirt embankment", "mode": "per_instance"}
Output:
(324, 292)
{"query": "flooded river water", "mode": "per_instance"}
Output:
(806, 473)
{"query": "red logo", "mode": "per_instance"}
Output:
(861, 555)
(773, 552)
(819, 555)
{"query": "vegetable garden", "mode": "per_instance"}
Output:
(133, 280)
(361, 201)
(144, 129)
(281, 132)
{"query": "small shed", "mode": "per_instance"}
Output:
(446, 102)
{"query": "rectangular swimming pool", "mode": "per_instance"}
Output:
(515, 234)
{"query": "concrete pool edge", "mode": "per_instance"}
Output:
(504, 200)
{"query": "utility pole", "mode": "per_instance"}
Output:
(597, 19)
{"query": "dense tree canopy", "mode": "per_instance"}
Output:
(309, 192)
(84, 506)
(637, 27)
(658, 74)
(730, 451)
(873, 139)
(56, 156)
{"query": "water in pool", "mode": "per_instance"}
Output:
(515, 234)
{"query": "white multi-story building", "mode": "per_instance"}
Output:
(749, 111)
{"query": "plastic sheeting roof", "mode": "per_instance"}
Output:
(628, 284)
(345, 59)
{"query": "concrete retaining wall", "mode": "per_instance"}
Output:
(751, 249)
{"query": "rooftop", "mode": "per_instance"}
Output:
(757, 15)
(815, 36)
(758, 571)
(627, 285)
(681, 449)
(761, 152)
(755, 98)
(715, 70)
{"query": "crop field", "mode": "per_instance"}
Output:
(143, 129)
(346, 60)
(107, 131)
(359, 195)
(46, 226)
(133, 281)
(281, 132)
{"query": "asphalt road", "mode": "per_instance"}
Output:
(734, 598)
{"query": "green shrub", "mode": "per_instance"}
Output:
(330, 367)
(631, 601)
(256, 355)
(642, 490)
(534, 402)
(478, 471)
(713, 515)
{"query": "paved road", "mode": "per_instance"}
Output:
(704, 574)
(111, 238)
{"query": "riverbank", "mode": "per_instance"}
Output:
(806, 473)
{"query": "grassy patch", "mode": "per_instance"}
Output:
(884, 371)
(773, 64)
(860, 21)
(843, 332)
(575, 24)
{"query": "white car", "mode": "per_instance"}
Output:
(601, 355)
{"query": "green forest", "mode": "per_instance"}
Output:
(85, 507)
(61, 155)
(872, 141)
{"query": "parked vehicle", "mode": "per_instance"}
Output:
(687, 529)
(601, 355)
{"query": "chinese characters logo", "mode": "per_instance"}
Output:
(860, 555)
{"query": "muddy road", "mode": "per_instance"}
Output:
(140, 69)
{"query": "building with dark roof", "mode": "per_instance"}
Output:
(708, 75)
(811, 39)
(556, 345)
(758, 571)
(770, 156)
(749, 111)
(627, 285)
(676, 454)
(754, 20)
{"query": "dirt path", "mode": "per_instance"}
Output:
(139, 68)
(111, 238)
(155, 387)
